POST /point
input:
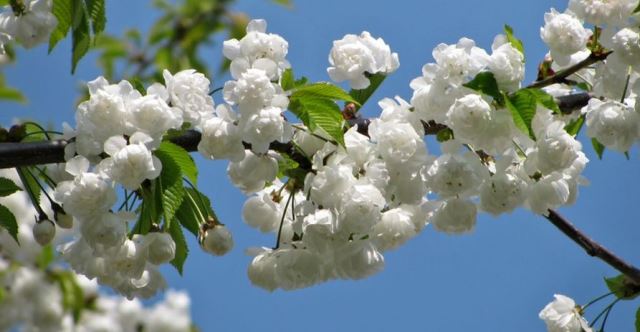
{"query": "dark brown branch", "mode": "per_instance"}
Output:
(561, 76)
(49, 152)
(593, 248)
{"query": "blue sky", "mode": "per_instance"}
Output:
(496, 279)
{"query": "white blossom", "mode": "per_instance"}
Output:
(353, 57)
(603, 12)
(32, 27)
(257, 49)
(614, 124)
(563, 315)
(455, 216)
(253, 172)
(564, 34)
(188, 91)
(221, 139)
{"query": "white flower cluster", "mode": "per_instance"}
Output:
(33, 301)
(614, 123)
(30, 27)
(360, 200)
(257, 60)
(121, 123)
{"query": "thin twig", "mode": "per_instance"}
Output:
(592, 247)
(561, 76)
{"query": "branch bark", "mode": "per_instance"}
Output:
(561, 76)
(592, 247)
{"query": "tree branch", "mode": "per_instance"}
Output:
(47, 152)
(593, 248)
(561, 76)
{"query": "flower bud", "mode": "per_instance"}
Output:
(43, 231)
(162, 248)
(216, 240)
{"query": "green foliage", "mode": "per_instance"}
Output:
(7, 187)
(97, 15)
(84, 18)
(182, 250)
(486, 83)
(63, 11)
(622, 287)
(189, 215)
(288, 167)
(444, 135)
(286, 3)
(322, 90)
(31, 185)
(80, 36)
(598, 147)
(45, 257)
(522, 106)
(515, 42)
(72, 294)
(320, 113)
(182, 158)
(8, 222)
(9, 93)
(315, 105)
(546, 100)
(169, 185)
(638, 312)
(361, 96)
(573, 128)
(149, 211)
(288, 81)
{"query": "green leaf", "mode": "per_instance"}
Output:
(169, 185)
(574, 127)
(137, 84)
(362, 95)
(97, 14)
(638, 312)
(287, 81)
(45, 257)
(546, 100)
(72, 293)
(182, 250)
(637, 10)
(7, 187)
(149, 210)
(181, 157)
(320, 113)
(322, 91)
(63, 11)
(12, 94)
(522, 105)
(8, 222)
(486, 83)
(622, 287)
(286, 3)
(188, 215)
(444, 135)
(598, 147)
(515, 42)
(33, 186)
(285, 164)
(80, 38)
